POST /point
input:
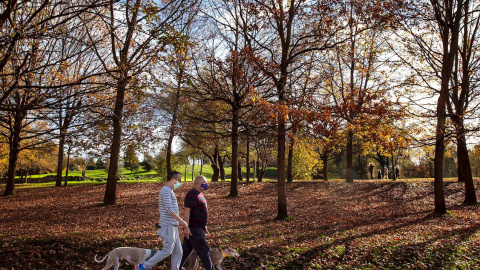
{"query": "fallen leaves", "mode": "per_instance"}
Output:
(366, 224)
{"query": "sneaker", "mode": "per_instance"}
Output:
(140, 267)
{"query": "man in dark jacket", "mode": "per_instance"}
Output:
(196, 215)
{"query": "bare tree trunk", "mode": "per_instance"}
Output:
(290, 161)
(440, 206)
(255, 164)
(111, 186)
(247, 165)
(14, 147)
(282, 192)
(234, 182)
(240, 176)
(262, 171)
(325, 165)
(350, 157)
(68, 164)
(464, 167)
(221, 162)
(171, 133)
(394, 174)
(215, 161)
(12, 166)
(193, 169)
(61, 146)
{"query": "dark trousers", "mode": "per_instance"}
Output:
(198, 242)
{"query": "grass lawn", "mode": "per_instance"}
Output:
(99, 176)
(332, 225)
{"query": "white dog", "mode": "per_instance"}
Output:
(133, 255)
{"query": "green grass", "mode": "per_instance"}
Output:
(96, 177)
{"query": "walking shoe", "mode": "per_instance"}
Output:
(140, 267)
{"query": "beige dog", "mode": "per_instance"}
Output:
(215, 255)
(133, 255)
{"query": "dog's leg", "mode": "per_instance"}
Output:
(109, 264)
(219, 267)
(196, 264)
(116, 263)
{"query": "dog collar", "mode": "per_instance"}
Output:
(152, 252)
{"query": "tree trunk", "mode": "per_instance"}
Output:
(68, 164)
(240, 176)
(14, 147)
(12, 166)
(171, 133)
(325, 165)
(282, 193)
(394, 172)
(290, 161)
(234, 182)
(464, 167)
(247, 161)
(201, 165)
(214, 161)
(221, 162)
(111, 186)
(216, 173)
(193, 169)
(185, 177)
(61, 146)
(255, 164)
(262, 171)
(350, 157)
(440, 206)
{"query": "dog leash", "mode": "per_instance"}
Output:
(216, 243)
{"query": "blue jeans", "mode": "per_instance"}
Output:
(198, 242)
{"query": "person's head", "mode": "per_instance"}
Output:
(200, 183)
(174, 178)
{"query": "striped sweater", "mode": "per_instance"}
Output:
(167, 204)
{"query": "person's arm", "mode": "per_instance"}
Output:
(186, 217)
(180, 220)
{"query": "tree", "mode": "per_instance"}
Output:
(356, 75)
(278, 34)
(29, 66)
(463, 95)
(131, 160)
(137, 34)
(437, 42)
(226, 82)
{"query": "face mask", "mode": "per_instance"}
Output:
(204, 186)
(177, 185)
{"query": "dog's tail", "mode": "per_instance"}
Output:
(102, 259)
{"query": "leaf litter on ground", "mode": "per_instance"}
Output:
(333, 225)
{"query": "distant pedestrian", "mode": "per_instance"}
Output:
(370, 168)
(385, 172)
(379, 174)
(397, 172)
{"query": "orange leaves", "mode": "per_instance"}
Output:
(335, 225)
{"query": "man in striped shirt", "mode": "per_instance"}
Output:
(169, 221)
